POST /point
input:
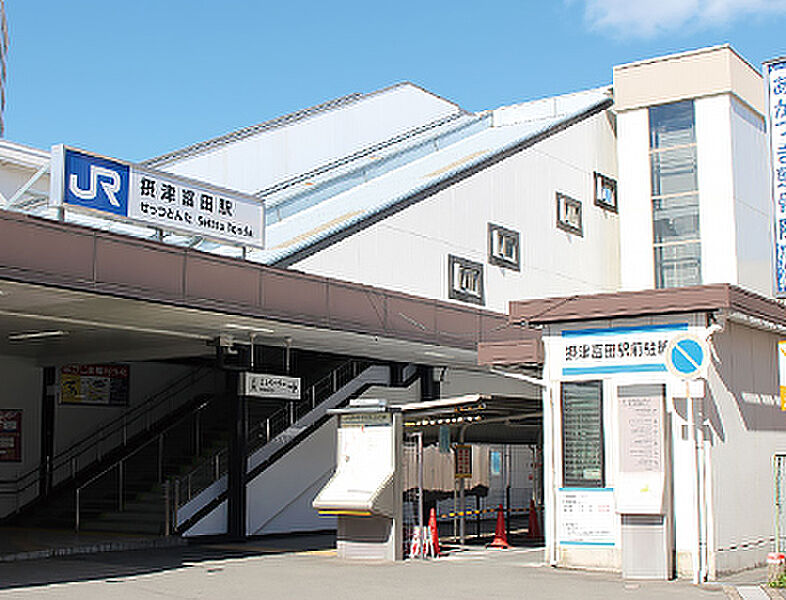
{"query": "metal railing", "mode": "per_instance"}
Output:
(267, 429)
(106, 437)
(119, 470)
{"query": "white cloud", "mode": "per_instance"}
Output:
(648, 18)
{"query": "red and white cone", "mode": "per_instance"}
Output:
(432, 525)
(500, 536)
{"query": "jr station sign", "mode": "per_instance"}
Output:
(125, 191)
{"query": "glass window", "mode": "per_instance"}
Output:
(675, 201)
(678, 265)
(605, 192)
(676, 218)
(672, 125)
(582, 434)
(503, 247)
(569, 214)
(674, 171)
(465, 280)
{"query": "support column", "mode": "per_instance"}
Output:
(236, 485)
(429, 389)
(49, 380)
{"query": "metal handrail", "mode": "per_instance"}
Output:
(214, 467)
(120, 465)
(91, 443)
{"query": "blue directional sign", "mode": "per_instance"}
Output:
(687, 356)
(95, 182)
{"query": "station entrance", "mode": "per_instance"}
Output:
(124, 416)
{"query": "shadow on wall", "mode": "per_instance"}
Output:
(748, 371)
(711, 415)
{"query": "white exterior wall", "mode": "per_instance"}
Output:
(254, 163)
(748, 428)
(716, 189)
(752, 203)
(637, 262)
(735, 218)
(408, 251)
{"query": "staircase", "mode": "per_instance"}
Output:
(201, 493)
(133, 495)
(116, 465)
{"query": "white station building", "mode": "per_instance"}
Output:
(551, 253)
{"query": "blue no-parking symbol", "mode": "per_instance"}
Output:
(686, 356)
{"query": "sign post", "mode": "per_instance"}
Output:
(687, 357)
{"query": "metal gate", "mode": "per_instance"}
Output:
(779, 486)
(412, 486)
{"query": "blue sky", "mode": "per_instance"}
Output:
(136, 79)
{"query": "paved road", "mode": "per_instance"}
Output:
(263, 571)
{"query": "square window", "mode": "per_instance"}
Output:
(503, 247)
(569, 214)
(465, 280)
(605, 192)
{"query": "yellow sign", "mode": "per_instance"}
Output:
(782, 372)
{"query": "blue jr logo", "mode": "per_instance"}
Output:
(96, 183)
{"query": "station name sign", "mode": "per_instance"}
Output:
(639, 349)
(144, 196)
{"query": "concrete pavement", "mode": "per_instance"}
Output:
(306, 570)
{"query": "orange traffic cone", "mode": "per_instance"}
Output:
(534, 526)
(500, 537)
(432, 525)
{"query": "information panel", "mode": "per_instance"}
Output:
(587, 516)
(641, 435)
(463, 461)
(641, 481)
(10, 435)
(103, 385)
(261, 385)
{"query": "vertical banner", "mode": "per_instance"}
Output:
(775, 76)
(782, 372)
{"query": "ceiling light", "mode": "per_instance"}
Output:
(35, 335)
(437, 354)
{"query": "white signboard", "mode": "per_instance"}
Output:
(365, 463)
(614, 350)
(775, 75)
(640, 483)
(587, 517)
(260, 385)
(126, 191)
